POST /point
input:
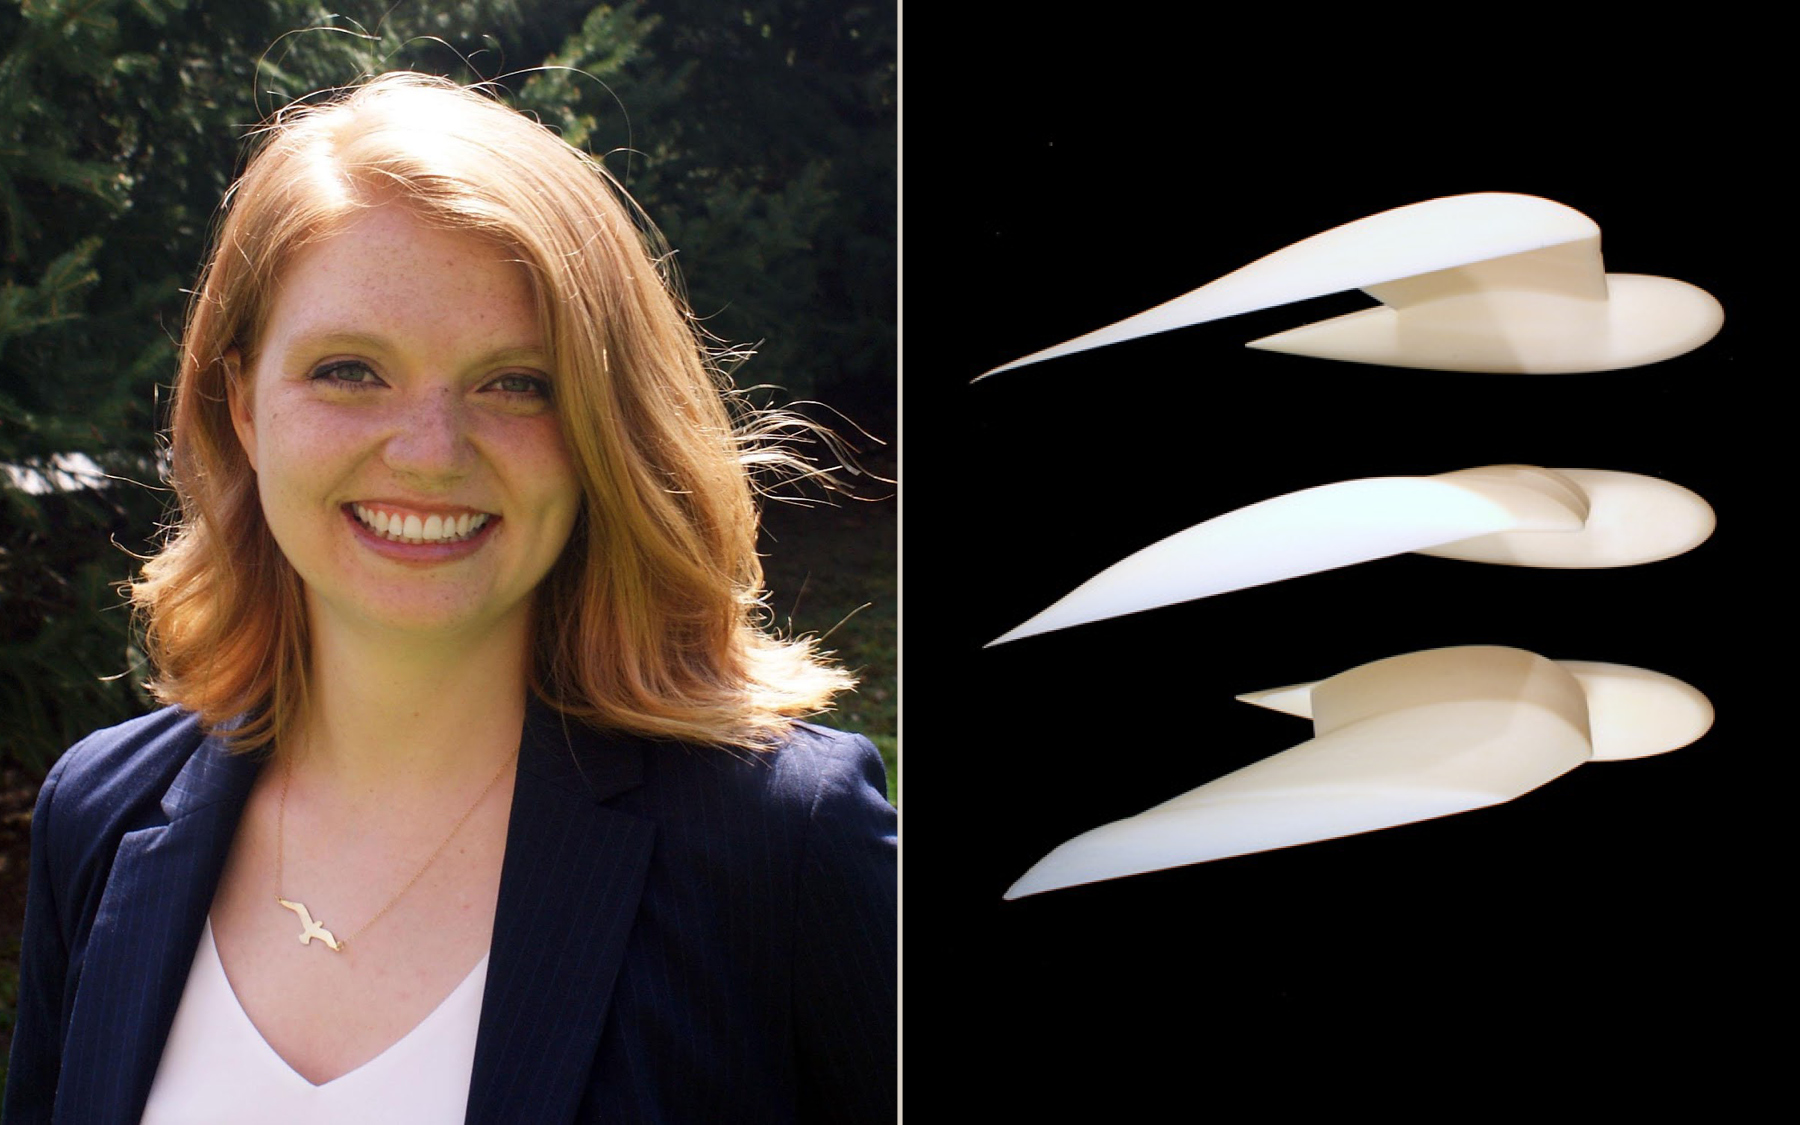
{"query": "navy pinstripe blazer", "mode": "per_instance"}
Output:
(682, 935)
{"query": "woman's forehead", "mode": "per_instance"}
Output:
(385, 273)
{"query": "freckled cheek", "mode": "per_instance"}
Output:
(533, 455)
(300, 461)
(545, 466)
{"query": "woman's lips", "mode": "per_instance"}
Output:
(401, 526)
(412, 536)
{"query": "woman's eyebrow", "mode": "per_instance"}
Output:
(329, 340)
(521, 355)
(325, 340)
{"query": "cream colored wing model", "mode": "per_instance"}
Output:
(1491, 282)
(1515, 514)
(1400, 740)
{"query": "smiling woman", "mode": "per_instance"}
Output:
(481, 794)
(400, 386)
(658, 634)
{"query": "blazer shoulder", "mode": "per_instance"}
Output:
(830, 763)
(808, 763)
(814, 781)
(114, 780)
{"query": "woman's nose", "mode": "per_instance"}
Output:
(430, 439)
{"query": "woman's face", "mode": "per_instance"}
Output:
(400, 420)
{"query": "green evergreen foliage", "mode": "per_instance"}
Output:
(760, 134)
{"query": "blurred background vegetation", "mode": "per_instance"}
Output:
(760, 135)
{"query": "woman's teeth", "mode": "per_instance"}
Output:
(412, 529)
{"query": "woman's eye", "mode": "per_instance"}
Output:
(518, 383)
(345, 373)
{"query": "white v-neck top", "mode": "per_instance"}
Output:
(216, 1067)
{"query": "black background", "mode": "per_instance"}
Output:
(1611, 935)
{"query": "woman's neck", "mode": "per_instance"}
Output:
(388, 712)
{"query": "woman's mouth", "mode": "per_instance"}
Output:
(411, 527)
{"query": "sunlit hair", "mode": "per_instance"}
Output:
(650, 620)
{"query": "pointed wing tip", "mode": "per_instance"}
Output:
(1028, 629)
(1279, 343)
(1295, 699)
(1022, 362)
(1025, 886)
(1039, 879)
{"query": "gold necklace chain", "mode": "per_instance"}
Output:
(309, 928)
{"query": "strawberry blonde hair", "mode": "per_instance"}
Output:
(651, 619)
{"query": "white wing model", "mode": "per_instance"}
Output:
(1490, 282)
(1515, 514)
(1400, 740)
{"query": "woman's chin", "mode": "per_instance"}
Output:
(448, 623)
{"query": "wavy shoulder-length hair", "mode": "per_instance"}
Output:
(651, 621)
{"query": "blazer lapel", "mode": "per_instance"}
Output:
(569, 890)
(144, 936)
